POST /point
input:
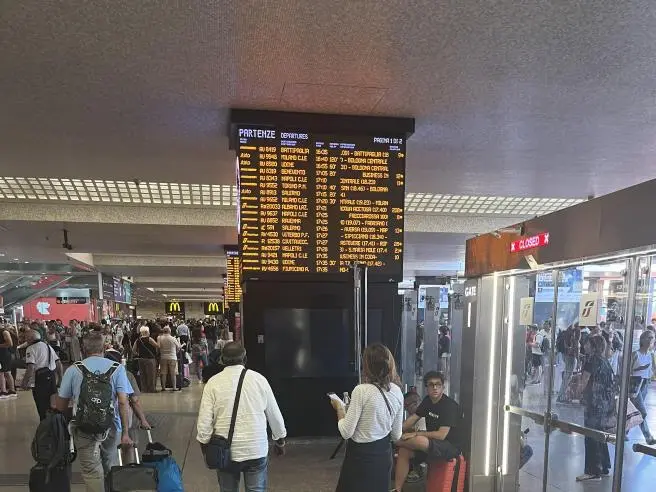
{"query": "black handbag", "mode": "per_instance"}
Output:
(217, 451)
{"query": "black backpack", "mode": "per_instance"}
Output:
(560, 342)
(94, 412)
(51, 445)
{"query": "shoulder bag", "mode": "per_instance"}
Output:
(389, 408)
(217, 451)
(44, 377)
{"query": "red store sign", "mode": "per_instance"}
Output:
(531, 242)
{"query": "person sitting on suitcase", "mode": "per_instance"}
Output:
(440, 440)
(99, 390)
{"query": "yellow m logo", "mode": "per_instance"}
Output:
(213, 307)
(174, 307)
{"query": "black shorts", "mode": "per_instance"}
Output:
(537, 360)
(437, 451)
(5, 360)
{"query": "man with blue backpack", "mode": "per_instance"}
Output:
(99, 389)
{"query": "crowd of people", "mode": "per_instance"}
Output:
(588, 362)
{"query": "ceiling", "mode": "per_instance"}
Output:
(516, 99)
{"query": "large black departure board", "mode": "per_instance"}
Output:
(315, 203)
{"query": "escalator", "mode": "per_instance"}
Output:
(21, 289)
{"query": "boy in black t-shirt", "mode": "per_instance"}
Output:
(440, 440)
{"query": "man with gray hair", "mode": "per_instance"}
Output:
(97, 451)
(257, 406)
(168, 358)
(42, 362)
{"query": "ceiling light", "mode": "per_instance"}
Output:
(16, 259)
(2, 254)
(26, 262)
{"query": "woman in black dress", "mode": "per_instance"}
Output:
(373, 420)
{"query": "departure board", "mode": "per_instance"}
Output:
(314, 203)
(232, 284)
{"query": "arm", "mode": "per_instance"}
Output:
(273, 415)
(397, 425)
(135, 403)
(439, 434)
(349, 422)
(153, 342)
(60, 370)
(123, 410)
(8, 342)
(27, 377)
(583, 382)
(205, 425)
(410, 423)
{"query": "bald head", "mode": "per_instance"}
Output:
(233, 354)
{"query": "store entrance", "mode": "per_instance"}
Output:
(569, 342)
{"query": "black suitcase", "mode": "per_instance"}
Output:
(59, 480)
(132, 477)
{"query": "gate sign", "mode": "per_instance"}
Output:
(174, 307)
(214, 307)
(531, 242)
(588, 309)
(526, 311)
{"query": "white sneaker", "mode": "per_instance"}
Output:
(4, 396)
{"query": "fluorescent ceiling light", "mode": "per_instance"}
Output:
(219, 195)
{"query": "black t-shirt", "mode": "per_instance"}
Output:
(444, 413)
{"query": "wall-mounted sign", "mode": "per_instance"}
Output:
(531, 242)
(232, 283)
(588, 309)
(526, 305)
(215, 307)
(72, 300)
(174, 307)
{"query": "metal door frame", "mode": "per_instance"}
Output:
(549, 419)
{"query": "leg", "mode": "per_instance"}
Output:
(406, 452)
(163, 373)
(591, 466)
(228, 482)
(173, 371)
(109, 450)
(3, 384)
(255, 475)
(88, 455)
(42, 400)
(9, 380)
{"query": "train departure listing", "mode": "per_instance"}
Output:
(317, 203)
(232, 284)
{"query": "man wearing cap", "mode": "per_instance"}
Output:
(44, 371)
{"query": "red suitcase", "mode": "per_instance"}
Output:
(447, 476)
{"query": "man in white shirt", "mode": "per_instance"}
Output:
(257, 406)
(168, 364)
(42, 363)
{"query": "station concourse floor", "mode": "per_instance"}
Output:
(305, 468)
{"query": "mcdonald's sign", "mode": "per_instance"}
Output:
(213, 307)
(174, 307)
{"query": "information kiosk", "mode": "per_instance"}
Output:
(538, 299)
(317, 194)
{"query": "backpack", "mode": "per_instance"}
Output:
(94, 411)
(560, 342)
(51, 445)
(545, 346)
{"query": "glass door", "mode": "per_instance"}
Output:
(564, 333)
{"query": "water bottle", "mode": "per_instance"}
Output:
(346, 398)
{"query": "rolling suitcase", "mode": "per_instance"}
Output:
(447, 476)
(59, 480)
(132, 477)
(161, 458)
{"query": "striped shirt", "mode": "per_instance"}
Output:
(257, 406)
(368, 418)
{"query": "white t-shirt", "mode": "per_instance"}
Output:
(168, 347)
(642, 360)
(539, 336)
(37, 354)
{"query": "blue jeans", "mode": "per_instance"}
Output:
(639, 402)
(255, 476)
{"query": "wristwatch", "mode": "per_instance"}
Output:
(281, 442)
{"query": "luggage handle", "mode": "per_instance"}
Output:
(148, 432)
(120, 457)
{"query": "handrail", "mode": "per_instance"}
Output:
(597, 435)
(641, 448)
(536, 417)
(566, 427)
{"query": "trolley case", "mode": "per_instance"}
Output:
(160, 457)
(59, 480)
(447, 476)
(132, 477)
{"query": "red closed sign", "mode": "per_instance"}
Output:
(531, 242)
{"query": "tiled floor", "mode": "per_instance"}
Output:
(305, 468)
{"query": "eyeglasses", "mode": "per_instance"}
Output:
(434, 385)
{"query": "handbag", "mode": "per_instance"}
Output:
(45, 377)
(217, 451)
(633, 416)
